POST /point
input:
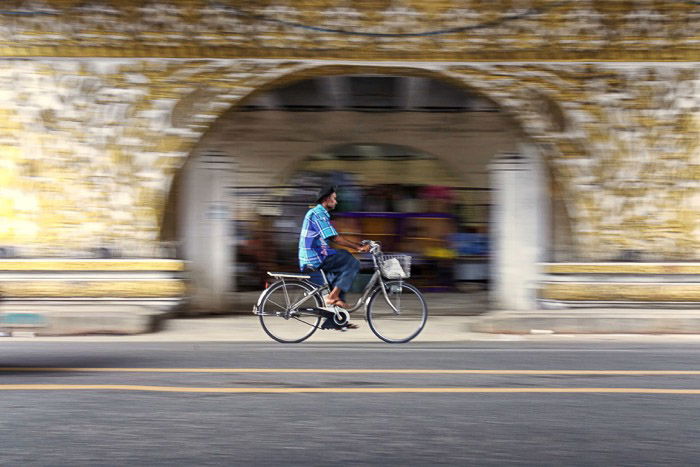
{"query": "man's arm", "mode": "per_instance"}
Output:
(329, 233)
(346, 242)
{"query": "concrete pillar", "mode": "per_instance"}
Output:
(205, 215)
(519, 228)
(337, 89)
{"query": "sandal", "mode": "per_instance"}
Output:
(337, 302)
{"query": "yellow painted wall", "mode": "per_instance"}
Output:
(89, 142)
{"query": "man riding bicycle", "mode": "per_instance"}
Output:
(339, 266)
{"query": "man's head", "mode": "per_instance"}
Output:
(327, 197)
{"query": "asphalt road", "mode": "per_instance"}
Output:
(239, 404)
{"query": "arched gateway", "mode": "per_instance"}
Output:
(250, 149)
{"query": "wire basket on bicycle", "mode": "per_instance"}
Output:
(395, 266)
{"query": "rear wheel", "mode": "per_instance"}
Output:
(391, 326)
(280, 321)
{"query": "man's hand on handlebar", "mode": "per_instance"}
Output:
(368, 245)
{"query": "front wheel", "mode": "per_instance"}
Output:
(393, 327)
(284, 323)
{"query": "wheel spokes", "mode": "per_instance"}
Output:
(399, 316)
(276, 304)
(302, 321)
(288, 323)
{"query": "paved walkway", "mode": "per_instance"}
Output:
(453, 318)
(246, 328)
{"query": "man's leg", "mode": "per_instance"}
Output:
(343, 267)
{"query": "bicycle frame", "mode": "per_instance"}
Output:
(289, 284)
(374, 280)
(362, 301)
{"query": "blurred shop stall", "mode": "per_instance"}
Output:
(406, 199)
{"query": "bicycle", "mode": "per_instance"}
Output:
(292, 307)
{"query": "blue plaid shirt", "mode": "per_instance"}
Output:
(313, 247)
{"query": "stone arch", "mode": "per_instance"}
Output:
(205, 102)
(223, 98)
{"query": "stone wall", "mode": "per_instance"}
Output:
(369, 29)
(89, 146)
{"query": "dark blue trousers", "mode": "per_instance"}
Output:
(341, 269)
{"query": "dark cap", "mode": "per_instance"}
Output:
(324, 193)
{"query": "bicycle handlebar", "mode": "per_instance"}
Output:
(374, 247)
